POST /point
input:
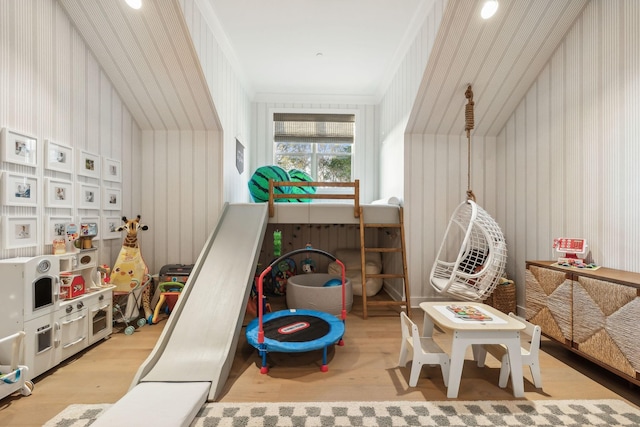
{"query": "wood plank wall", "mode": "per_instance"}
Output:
(52, 88)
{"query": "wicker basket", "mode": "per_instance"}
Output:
(503, 297)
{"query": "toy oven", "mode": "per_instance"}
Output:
(41, 287)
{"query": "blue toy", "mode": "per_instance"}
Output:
(332, 282)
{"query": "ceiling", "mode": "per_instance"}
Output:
(274, 47)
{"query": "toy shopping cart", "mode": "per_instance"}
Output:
(127, 306)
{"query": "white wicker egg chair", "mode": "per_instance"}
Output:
(472, 256)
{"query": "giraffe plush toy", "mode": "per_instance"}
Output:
(130, 270)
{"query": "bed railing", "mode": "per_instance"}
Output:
(355, 196)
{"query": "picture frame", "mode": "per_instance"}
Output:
(88, 196)
(19, 232)
(19, 190)
(83, 230)
(58, 157)
(56, 228)
(58, 193)
(18, 148)
(88, 164)
(111, 199)
(109, 226)
(111, 170)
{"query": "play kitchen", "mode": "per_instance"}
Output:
(59, 302)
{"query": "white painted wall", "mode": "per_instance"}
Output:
(570, 151)
(565, 164)
(51, 87)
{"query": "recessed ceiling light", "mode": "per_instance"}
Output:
(489, 9)
(134, 4)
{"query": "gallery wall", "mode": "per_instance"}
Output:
(53, 90)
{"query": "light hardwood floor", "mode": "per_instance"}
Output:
(363, 369)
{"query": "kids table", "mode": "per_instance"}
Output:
(494, 328)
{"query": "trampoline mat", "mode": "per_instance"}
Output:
(296, 328)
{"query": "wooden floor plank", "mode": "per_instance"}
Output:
(363, 369)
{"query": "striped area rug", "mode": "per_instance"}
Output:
(401, 413)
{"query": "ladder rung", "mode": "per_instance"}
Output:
(383, 249)
(403, 303)
(382, 225)
(385, 276)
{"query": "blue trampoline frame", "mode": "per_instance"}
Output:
(255, 328)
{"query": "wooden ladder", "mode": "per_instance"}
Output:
(363, 256)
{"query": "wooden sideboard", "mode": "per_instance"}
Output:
(594, 313)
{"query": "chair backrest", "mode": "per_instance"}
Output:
(534, 331)
(410, 330)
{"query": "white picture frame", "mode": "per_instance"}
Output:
(88, 164)
(19, 232)
(18, 148)
(88, 196)
(19, 190)
(56, 228)
(111, 170)
(58, 193)
(109, 226)
(111, 199)
(58, 157)
(82, 221)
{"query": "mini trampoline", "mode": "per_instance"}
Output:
(296, 330)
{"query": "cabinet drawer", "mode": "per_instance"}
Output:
(548, 302)
(605, 319)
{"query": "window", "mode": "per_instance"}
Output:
(319, 144)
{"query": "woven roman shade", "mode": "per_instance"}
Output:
(315, 128)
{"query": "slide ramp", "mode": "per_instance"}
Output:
(194, 353)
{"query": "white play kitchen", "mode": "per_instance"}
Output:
(59, 301)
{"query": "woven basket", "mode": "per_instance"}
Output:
(503, 297)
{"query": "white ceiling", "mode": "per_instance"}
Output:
(151, 60)
(319, 47)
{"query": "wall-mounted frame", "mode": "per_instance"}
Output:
(19, 190)
(85, 230)
(109, 227)
(56, 228)
(88, 196)
(111, 170)
(111, 199)
(19, 149)
(88, 164)
(58, 193)
(58, 157)
(19, 232)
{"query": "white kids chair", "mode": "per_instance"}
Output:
(425, 351)
(529, 355)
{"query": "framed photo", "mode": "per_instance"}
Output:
(56, 228)
(89, 226)
(19, 190)
(59, 193)
(109, 227)
(19, 232)
(58, 157)
(111, 199)
(19, 149)
(88, 196)
(88, 164)
(111, 170)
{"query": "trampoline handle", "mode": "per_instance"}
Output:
(260, 305)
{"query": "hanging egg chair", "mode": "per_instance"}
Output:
(473, 254)
(472, 257)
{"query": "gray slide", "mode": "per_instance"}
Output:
(193, 356)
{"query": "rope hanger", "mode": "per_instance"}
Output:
(468, 126)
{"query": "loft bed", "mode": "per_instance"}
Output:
(284, 212)
(378, 215)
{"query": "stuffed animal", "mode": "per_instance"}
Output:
(130, 270)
